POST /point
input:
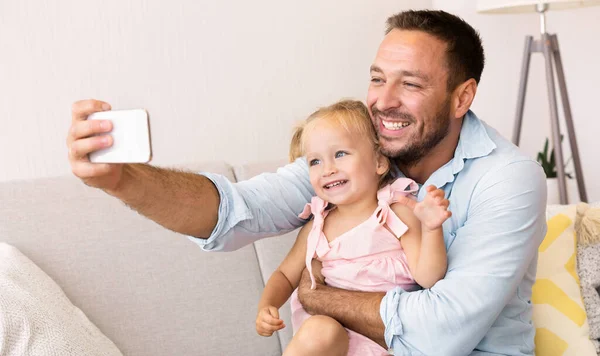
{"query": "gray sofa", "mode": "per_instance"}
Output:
(151, 291)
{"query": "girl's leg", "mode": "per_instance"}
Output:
(319, 335)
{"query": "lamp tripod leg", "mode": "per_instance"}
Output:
(562, 85)
(554, 124)
(522, 90)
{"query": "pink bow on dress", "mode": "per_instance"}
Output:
(317, 207)
(389, 195)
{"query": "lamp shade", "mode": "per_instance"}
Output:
(517, 6)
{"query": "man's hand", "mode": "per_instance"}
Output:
(304, 290)
(81, 142)
(358, 311)
(317, 266)
(267, 321)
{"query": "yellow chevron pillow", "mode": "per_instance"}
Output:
(558, 313)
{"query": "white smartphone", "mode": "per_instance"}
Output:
(131, 137)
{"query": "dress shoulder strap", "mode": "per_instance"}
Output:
(318, 209)
(401, 187)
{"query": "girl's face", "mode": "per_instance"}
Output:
(343, 167)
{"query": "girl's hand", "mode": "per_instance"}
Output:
(433, 210)
(267, 321)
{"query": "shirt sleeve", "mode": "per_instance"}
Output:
(487, 262)
(263, 206)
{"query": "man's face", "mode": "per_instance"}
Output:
(408, 98)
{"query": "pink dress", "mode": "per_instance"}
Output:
(366, 258)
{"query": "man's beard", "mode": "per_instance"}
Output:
(414, 151)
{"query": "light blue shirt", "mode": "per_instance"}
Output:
(483, 305)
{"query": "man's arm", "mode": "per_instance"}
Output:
(263, 206)
(218, 214)
(184, 202)
(173, 199)
(487, 262)
(358, 311)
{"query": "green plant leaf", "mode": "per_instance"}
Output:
(548, 161)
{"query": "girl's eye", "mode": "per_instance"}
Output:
(339, 154)
(314, 162)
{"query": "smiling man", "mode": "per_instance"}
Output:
(423, 81)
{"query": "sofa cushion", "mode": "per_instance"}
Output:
(247, 171)
(271, 251)
(558, 312)
(36, 318)
(587, 226)
(151, 291)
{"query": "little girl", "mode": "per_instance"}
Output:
(355, 232)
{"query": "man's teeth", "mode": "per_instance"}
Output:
(335, 184)
(394, 125)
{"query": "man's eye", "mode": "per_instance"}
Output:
(339, 154)
(376, 80)
(412, 85)
(314, 162)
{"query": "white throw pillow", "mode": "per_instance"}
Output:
(37, 318)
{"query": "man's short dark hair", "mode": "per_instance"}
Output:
(464, 55)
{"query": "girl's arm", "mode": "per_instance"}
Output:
(424, 247)
(286, 277)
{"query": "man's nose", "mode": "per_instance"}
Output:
(389, 98)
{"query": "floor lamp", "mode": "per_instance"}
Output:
(548, 46)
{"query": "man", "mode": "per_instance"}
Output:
(423, 81)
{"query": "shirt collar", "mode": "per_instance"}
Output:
(474, 142)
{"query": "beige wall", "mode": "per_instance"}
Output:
(222, 80)
(503, 37)
(225, 80)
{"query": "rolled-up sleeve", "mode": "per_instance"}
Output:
(263, 206)
(487, 262)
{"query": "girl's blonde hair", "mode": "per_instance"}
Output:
(351, 115)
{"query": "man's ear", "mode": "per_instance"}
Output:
(463, 97)
(383, 164)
